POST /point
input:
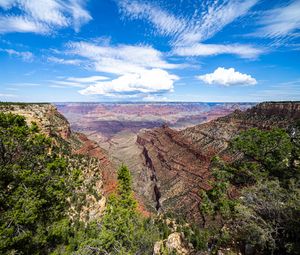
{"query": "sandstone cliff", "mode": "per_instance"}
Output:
(179, 161)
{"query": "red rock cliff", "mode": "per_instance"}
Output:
(179, 160)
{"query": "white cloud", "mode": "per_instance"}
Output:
(140, 69)
(4, 95)
(77, 82)
(79, 14)
(154, 81)
(200, 49)
(89, 79)
(43, 16)
(187, 30)
(280, 22)
(120, 59)
(214, 19)
(164, 22)
(22, 25)
(25, 55)
(65, 84)
(227, 77)
(63, 61)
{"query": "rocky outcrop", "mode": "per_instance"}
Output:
(99, 173)
(179, 160)
(175, 243)
(48, 119)
(92, 149)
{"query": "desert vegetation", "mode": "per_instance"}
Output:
(253, 205)
(37, 183)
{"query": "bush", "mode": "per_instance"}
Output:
(265, 218)
(122, 230)
(34, 186)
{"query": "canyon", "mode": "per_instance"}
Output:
(170, 158)
(179, 161)
(118, 129)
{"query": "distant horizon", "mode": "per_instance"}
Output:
(147, 102)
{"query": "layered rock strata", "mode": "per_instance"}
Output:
(179, 161)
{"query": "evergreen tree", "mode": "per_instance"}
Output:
(122, 230)
(34, 187)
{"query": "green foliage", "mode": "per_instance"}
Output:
(215, 201)
(34, 186)
(265, 151)
(264, 219)
(36, 183)
(122, 230)
(164, 229)
(268, 217)
(196, 236)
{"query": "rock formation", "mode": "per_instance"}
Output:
(179, 160)
(99, 173)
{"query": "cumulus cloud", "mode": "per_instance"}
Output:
(25, 55)
(43, 16)
(280, 22)
(139, 70)
(154, 81)
(227, 77)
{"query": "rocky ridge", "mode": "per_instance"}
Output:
(179, 161)
(99, 173)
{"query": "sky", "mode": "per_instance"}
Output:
(156, 50)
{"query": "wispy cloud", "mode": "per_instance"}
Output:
(65, 84)
(119, 59)
(227, 77)
(154, 83)
(212, 20)
(204, 23)
(22, 25)
(77, 82)
(188, 33)
(89, 79)
(5, 95)
(25, 55)
(43, 16)
(164, 22)
(200, 49)
(63, 61)
(281, 21)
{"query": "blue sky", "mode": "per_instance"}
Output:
(159, 50)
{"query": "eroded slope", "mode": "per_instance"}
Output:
(179, 160)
